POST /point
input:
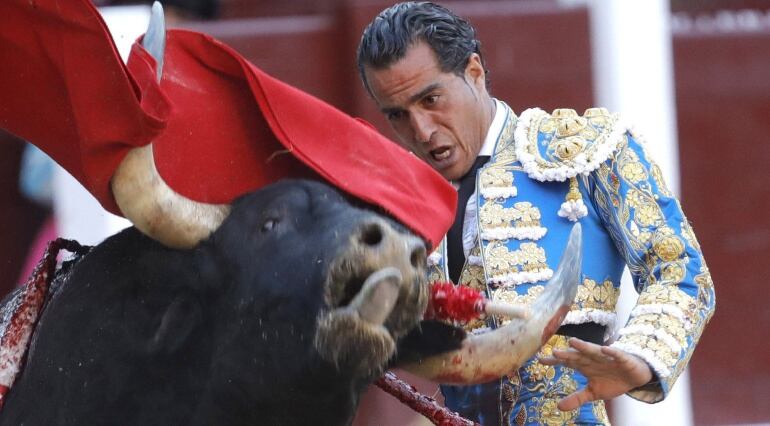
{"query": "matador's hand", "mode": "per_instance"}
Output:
(610, 372)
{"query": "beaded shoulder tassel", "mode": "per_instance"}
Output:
(573, 208)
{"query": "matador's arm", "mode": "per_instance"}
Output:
(676, 293)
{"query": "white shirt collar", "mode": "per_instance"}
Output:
(495, 128)
(493, 133)
(470, 229)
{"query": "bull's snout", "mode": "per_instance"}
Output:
(376, 292)
(398, 248)
(383, 247)
(375, 245)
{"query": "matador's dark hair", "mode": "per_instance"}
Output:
(387, 38)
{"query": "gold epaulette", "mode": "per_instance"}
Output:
(562, 145)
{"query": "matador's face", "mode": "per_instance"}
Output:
(440, 116)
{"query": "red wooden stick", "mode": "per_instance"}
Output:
(425, 405)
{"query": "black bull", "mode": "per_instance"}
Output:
(282, 316)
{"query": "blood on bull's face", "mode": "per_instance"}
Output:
(280, 317)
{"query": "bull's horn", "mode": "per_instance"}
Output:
(154, 40)
(488, 356)
(378, 295)
(155, 209)
(142, 195)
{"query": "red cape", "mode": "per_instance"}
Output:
(220, 127)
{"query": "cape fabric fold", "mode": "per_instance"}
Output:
(64, 88)
(220, 126)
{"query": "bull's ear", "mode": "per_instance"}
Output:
(428, 339)
(177, 323)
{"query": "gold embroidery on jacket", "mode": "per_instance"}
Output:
(662, 351)
(502, 262)
(668, 323)
(494, 215)
(436, 274)
(591, 297)
(689, 235)
(436, 269)
(495, 177)
(672, 272)
(705, 286)
(601, 297)
(473, 276)
(509, 396)
(568, 148)
(569, 135)
(630, 167)
(670, 295)
(666, 245)
(658, 326)
(600, 412)
(657, 175)
(647, 212)
(522, 214)
(550, 387)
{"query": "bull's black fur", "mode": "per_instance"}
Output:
(140, 334)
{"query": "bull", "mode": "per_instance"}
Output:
(282, 316)
(276, 309)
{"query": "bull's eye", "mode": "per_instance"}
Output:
(269, 224)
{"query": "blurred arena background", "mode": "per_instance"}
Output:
(715, 65)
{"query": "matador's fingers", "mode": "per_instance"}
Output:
(580, 353)
(561, 356)
(591, 350)
(549, 360)
(575, 400)
(622, 358)
(584, 347)
(615, 353)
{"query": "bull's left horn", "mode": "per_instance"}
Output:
(155, 209)
(488, 356)
(142, 195)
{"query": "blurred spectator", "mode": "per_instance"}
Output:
(36, 184)
(36, 174)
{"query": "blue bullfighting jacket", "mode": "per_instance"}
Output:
(550, 170)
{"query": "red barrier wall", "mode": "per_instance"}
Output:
(723, 104)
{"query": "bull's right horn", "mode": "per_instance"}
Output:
(488, 356)
(142, 195)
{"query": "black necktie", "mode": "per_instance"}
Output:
(454, 237)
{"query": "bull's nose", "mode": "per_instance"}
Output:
(376, 234)
(379, 245)
(418, 255)
(371, 234)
